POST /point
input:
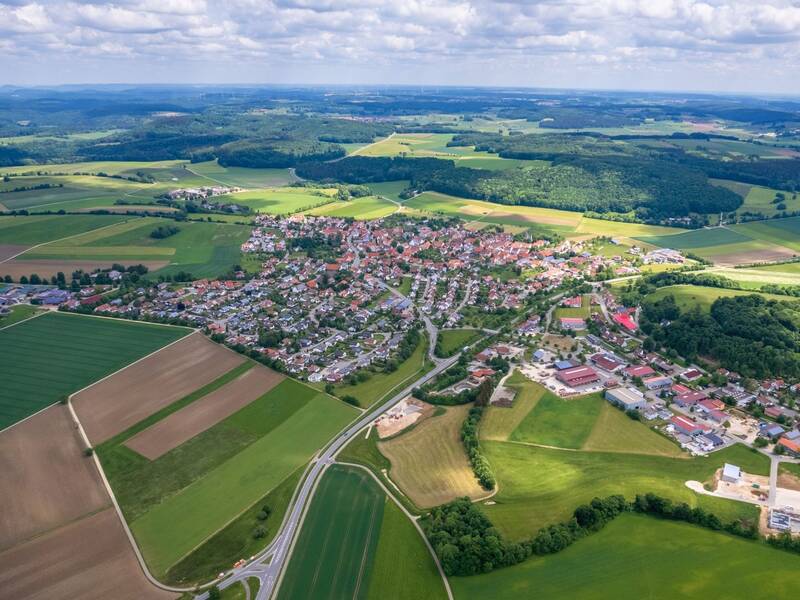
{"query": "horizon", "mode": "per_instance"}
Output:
(686, 46)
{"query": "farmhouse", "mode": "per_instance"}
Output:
(578, 376)
(639, 371)
(626, 398)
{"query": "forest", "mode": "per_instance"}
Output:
(749, 335)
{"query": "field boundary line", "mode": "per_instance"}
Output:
(33, 316)
(61, 240)
(413, 520)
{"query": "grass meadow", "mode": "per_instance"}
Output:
(56, 354)
(689, 296)
(453, 340)
(639, 556)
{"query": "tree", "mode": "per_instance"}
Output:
(214, 593)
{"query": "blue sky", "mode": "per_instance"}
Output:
(710, 45)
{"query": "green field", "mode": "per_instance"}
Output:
(785, 232)
(282, 201)
(539, 486)
(198, 488)
(558, 422)
(381, 384)
(32, 230)
(697, 239)
(369, 207)
(638, 557)
(389, 189)
(335, 551)
(403, 567)
(19, 312)
(356, 543)
(242, 177)
(583, 312)
(200, 248)
(57, 354)
(453, 340)
(689, 296)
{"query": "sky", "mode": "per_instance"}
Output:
(679, 45)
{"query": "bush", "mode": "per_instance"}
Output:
(469, 437)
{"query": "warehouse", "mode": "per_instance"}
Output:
(578, 376)
(626, 398)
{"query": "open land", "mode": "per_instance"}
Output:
(187, 500)
(642, 557)
(195, 418)
(335, 551)
(66, 352)
(115, 404)
(688, 296)
(46, 481)
(429, 463)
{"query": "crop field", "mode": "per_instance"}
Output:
(689, 296)
(429, 463)
(206, 412)
(785, 232)
(57, 354)
(453, 340)
(370, 207)
(187, 495)
(45, 481)
(240, 176)
(566, 222)
(381, 384)
(110, 167)
(403, 568)
(335, 551)
(539, 486)
(202, 249)
(282, 201)
(119, 402)
(31, 230)
(389, 189)
(75, 568)
(636, 557)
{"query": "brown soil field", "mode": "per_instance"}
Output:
(45, 481)
(429, 463)
(201, 414)
(789, 481)
(766, 255)
(9, 250)
(47, 267)
(137, 391)
(90, 559)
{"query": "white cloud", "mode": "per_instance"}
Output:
(456, 41)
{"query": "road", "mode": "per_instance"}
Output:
(277, 553)
(270, 563)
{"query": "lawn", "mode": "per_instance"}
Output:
(583, 312)
(429, 463)
(689, 296)
(403, 567)
(451, 341)
(336, 548)
(32, 230)
(614, 431)
(380, 385)
(638, 557)
(558, 422)
(57, 354)
(282, 201)
(200, 248)
(538, 486)
(260, 446)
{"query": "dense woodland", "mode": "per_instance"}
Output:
(750, 335)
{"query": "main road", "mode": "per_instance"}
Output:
(270, 563)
